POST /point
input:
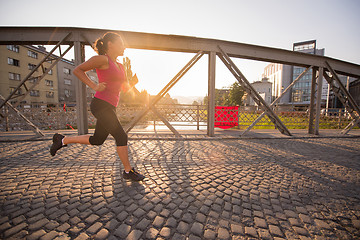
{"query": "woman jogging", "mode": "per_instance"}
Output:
(112, 80)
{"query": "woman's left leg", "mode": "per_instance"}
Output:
(114, 127)
(122, 151)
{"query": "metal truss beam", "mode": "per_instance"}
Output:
(162, 93)
(252, 92)
(311, 129)
(344, 96)
(149, 41)
(318, 99)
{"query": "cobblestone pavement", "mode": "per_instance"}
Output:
(204, 189)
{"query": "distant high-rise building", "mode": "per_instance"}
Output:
(281, 76)
(301, 91)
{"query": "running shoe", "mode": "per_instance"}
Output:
(57, 143)
(133, 175)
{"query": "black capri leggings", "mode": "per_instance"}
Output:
(107, 123)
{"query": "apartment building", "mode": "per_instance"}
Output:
(16, 62)
(57, 88)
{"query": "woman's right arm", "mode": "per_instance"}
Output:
(92, 63)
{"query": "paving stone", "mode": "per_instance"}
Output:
(52, 225)
(251, 232)
(237, 229)
(223, 233)
(209, 234)
(158, 222)
(193, 237)
(134, 234)
(139, 212)
(143, 224)
(165, 232)
(63, 228)
(259, 222)
(275, 230)
(197, 229)
(36, 235)
(15, 229)
(187, 217)
(82, 236)
(94, 228)
(300, 231)
(294, 222)
(178, 236)
(322, 224)
(356, 223)
(171, 222)
(182, 227)
(264, 234)
(122, 231)
(152, 233)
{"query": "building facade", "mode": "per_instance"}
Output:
(264, 89)
(280, 77)
(354, 90)
(66, 82)
(58, 87)
(301, 91)
(16, 62)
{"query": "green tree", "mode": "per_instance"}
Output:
(231, 97)
(236, 94)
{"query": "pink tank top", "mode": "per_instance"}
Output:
(114, 78)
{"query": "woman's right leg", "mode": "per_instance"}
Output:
(82, 139)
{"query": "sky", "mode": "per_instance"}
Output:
(277, 23)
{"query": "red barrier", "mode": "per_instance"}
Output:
(226, 117)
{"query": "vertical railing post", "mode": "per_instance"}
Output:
(211, 95)
(6, 118)
(318, 100)
(198, 116)
(81, 101)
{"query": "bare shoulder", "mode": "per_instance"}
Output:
(99, 61)
(102, 59)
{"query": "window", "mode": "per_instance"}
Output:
(13, 62)
(33, 79)
(31, 66)
(67, 81)
(67, 71)
(14, 76)
(32, 54)
(67, 93)
(35, 93)
(50, 71)
(12, 89)
(50, 94)
(13, 48)
(49, 83)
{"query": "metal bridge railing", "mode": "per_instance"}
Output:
(191, 116)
